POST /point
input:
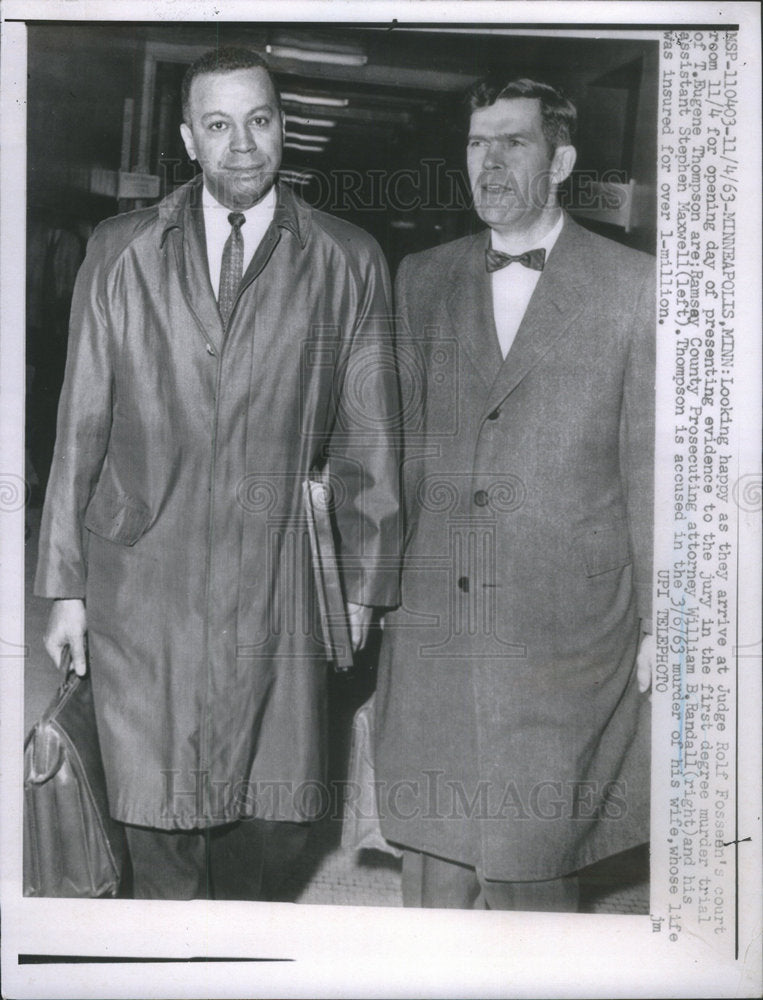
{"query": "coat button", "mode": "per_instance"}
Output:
(481, 498)
(463, 584)
(210, 350)
(495, 414)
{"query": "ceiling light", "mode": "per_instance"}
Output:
(317, 122)
(310, 55)
(326, 102)
(303, 146)
(354, 112)
(307, 138)
(294, 178)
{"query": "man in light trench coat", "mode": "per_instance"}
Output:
(223, 344)
(512, 718)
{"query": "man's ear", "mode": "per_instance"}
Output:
(187, 135)
(562, 163)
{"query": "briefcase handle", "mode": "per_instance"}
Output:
(43, 752)
(70, 678)
(48, 755)
(65, 663)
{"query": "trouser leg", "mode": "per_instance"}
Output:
(252, 859)
(433, 882)
(429, 881)
(168, 864)
(556, 895)
(249, 860)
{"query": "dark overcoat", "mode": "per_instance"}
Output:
(174, 506)
(510, 731)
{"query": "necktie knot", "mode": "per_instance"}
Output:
(237, 219)
(496, 259)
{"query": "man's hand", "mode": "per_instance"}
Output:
(67, 626)
(645, 662)
(359, 619)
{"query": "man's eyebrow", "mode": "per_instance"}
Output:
(501, 135)
(224, 114)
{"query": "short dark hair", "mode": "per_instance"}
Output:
(222, 60)
(559, 116)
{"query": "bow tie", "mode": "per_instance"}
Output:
(534, 259)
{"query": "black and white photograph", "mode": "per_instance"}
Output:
(383, 500)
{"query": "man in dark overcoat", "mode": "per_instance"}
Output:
(512, 719)
(225, 344)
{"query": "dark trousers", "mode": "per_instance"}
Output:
(429, 881)
(250, 860)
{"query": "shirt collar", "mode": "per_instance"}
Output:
(264, 209)
(290, 213)
(546, 243)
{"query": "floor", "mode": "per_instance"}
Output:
(327, 873)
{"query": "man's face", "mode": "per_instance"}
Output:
(511, 170)
(236, 134)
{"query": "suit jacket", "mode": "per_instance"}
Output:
(175, 506)
(511, 734)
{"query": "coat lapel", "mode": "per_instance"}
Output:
(555, 305)
(182, 219)
(290, 214)
(469, 305)
(195, 271)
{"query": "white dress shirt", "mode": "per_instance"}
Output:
(217, 229)
(514, 285)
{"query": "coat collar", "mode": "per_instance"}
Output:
(470, 306)
(182, 214)
(553, 308)
(555, 305)
(291, 212)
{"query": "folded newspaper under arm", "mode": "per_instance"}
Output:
(328, 585)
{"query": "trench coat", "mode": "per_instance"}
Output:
(175, 509)
(511, 735)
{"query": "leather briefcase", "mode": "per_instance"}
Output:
(72, 846)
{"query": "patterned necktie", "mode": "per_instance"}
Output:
(534, 259)
(232, 269)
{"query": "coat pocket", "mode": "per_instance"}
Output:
(605, 549)
(117, 517)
